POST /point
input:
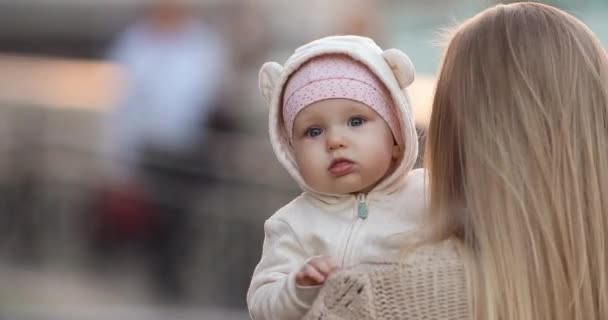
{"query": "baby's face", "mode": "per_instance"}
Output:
(342, 146)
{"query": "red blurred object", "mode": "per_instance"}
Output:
(125, 213)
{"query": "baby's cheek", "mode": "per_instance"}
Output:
(309, 171)
(312, 172)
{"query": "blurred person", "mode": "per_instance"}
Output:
(341, 124)
(517, 155)
(174, 65)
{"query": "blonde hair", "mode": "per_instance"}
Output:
(517, 155)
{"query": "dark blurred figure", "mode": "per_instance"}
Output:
(174, 66)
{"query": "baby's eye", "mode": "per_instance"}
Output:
(313, 132)
(356, 121)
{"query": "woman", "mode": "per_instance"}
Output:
(517, 157)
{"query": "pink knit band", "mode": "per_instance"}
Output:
(337, 76)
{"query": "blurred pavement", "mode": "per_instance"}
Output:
(68, 295)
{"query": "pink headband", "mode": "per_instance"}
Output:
(337, 76)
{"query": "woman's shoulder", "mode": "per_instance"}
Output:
(430, 265)
(441, 256)
(426, 282)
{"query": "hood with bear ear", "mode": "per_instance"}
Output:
(392, 67)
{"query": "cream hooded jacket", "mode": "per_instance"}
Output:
(350, 228)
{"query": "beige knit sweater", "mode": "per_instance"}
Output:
(429, 283)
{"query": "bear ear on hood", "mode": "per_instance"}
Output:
(401, 65)
(268, 78)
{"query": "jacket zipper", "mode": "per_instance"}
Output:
(362, 213)
(362, 206)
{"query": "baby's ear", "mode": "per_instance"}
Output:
(269, 75)
(401, 65)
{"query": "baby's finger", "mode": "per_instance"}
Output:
(327, 266)
(333, 266)
(314, 274)
(322, 266)
(300, 276)
(303, 280)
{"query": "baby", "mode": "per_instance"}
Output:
(341, 124)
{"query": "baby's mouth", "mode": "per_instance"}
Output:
(340, 167)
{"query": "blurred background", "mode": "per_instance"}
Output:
(135, 167)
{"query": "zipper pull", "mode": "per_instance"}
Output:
(362, 208)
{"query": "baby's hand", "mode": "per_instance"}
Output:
(316, 271)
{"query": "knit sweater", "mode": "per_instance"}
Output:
(429, 283)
